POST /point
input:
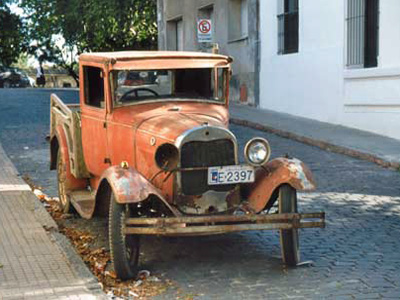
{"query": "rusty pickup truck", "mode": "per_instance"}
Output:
(149, 148)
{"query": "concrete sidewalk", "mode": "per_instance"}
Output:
(379, 149)
(36, 261)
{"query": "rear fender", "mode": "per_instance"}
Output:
(61, 144)
(129, 186)
(273, 174)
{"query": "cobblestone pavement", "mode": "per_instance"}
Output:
(356, 256)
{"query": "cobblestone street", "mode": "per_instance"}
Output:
(355, 257)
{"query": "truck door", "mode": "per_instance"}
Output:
(94, 132)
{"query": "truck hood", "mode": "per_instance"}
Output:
(169, 121)
(171, 126)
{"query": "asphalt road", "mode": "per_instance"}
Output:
(356, 256)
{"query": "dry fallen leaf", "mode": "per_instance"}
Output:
(111, 274)
(133, 294)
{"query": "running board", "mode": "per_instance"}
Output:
(84, 202)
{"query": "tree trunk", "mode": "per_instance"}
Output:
(73, 74)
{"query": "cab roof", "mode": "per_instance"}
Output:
(157, 59)
(132, 55)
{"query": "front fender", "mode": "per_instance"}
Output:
(129, 186)
(273, 174)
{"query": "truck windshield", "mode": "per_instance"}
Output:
(132, 86)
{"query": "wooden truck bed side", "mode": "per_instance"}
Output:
(69, 117)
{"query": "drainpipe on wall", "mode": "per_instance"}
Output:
(161, 26)
(257, 60)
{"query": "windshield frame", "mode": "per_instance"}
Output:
(224, 101)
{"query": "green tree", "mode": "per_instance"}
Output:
(11, 35)
(88, 26)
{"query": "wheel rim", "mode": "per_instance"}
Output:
(62, 177)
(130, 241)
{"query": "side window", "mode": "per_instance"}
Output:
(94, 87)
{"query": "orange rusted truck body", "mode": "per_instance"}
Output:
(140, 149)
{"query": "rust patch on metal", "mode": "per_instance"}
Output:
(233, 198)
(273, 174)
(129, 186)
(222, 223)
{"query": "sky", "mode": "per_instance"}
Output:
(16, 9)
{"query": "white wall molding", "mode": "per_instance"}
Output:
(371, 73)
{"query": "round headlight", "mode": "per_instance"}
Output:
(167, 157)
(257, 151)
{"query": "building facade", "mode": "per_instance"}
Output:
(333, 61)
(234, 29)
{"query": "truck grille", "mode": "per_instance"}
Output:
(205, 154)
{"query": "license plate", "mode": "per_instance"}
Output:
(230, 174)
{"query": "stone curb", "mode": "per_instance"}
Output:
(318, 143)
(66, 248)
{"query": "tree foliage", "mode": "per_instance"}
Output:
(11, 35)
(88, 26)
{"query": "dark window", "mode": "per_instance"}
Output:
(288, 26)
(130, 87)
(362, 33)
(237, 19)
(94, 86)
(371, 34)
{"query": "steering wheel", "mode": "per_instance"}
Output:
(136, 90)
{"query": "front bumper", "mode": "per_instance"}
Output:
(204, 225)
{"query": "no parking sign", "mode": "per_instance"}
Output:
(204, 31)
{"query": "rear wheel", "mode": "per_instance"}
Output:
(6, 84)
(65, 201)
(290, 248)
(124, 248)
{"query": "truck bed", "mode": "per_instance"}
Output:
(68, 117)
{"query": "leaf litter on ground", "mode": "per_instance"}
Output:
(99, 260)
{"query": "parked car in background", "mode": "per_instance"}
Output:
(13, 77)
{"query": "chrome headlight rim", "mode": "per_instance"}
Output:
(252, 142)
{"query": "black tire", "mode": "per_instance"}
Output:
(65, 200)
(124, 248)
(287, 201)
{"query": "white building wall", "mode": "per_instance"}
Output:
(315, 83)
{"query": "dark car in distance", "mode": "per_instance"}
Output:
(13, 77)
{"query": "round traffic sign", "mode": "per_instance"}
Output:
(204, 26)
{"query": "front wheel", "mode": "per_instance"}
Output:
(290, 248)
(124, 248)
